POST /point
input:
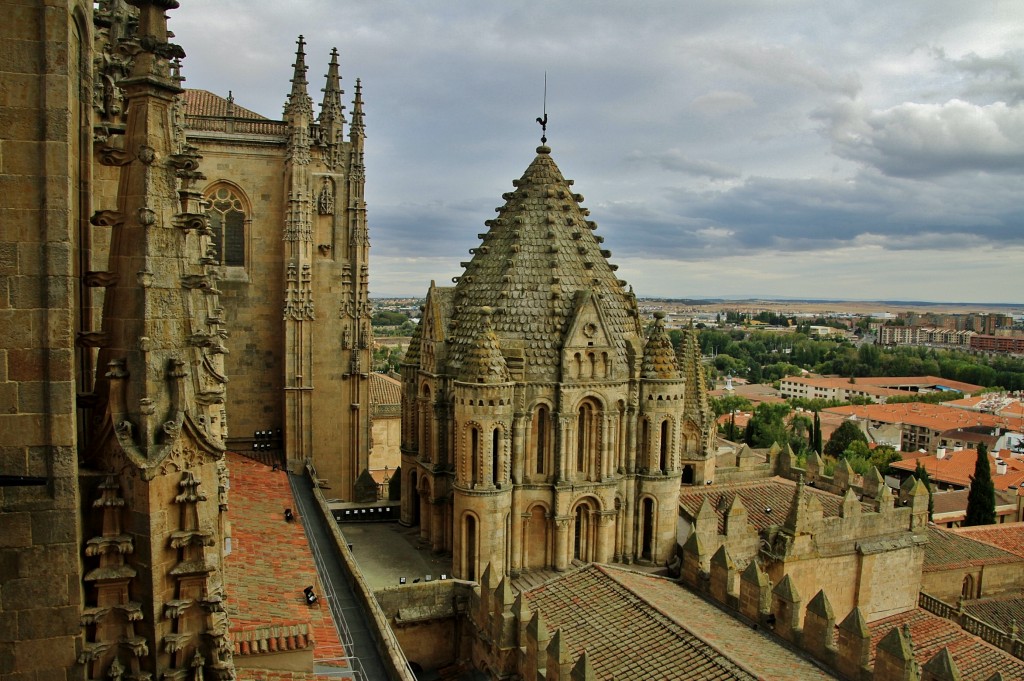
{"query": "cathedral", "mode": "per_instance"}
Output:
(181, 277)
(541, 424)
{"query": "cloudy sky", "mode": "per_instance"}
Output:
(726, 148)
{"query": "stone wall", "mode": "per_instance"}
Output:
(44, 102)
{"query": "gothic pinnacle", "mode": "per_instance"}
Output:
(299, 101)
(331, 107)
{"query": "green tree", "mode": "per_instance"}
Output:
(981, 500)
(816, 434)
(840, 441)
(727, 404)
(767, 425)
(921, 473)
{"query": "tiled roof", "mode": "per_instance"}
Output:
(957, 468)
(930, 633)
(759, 496)
(384, 389)
(935, 417)
(1001, 612)
(947, 550)
(611, 613)
(955, 501)
(919, 382)
(269, 565)
(205, 103)
(991, 403)
(538, 254)
(209, 112)
(1007, 536)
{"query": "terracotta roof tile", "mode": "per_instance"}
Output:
(1007, 536)
(269, 565)
(947, 549)
(929, 633)
(384, 389)
(775, 494)
(1002, 612)
(957, 468)
(611, 613)
(935, 417)
(209, 112)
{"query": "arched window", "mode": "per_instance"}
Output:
(587, 438)
(541, 437)
(664, 445)
(474, 456)
(227, 220)
(495, 458)
(469, 544)
(647, 530)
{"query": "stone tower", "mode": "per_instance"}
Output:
(153, 479)
(287, 200)
(540, 424)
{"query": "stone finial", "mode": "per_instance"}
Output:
(736, 517)
(583, 671)
(786, 602)
(299, 101)
(851, 506)
(723, 571)
(558, 651)
(894, 657)
(843, 474)
(331, 109)
(873, 483)
(357, 130)
(819, 626)
(853, 647)
(659, 356)
(504, 595)
(940, 668)
(537, 629)
(755, 592)
(805, 511)
(484, 362)
(706, 522)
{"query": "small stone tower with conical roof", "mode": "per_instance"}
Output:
(540, 425)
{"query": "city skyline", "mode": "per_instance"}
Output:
(800, 151)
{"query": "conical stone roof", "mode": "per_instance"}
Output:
(537, 254)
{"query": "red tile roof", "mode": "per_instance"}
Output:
(209, 112)
(384, 389)
(642, 626)
(948, 550)
(935, 417)
(269, 565)
(757, 497)
(920, 382)
(1002, 612)
(930, 633)
(1007, 536)
(957, 468)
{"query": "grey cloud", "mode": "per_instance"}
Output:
(930, 140)
(676, 161)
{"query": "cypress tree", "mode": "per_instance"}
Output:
(921, 473)
(816, 435)
(981, 500)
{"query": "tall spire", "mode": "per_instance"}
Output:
(357, 129)
(331, 109)
(299, 102)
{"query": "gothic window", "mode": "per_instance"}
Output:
(228, 219)
(586, 438)
(641, 446)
